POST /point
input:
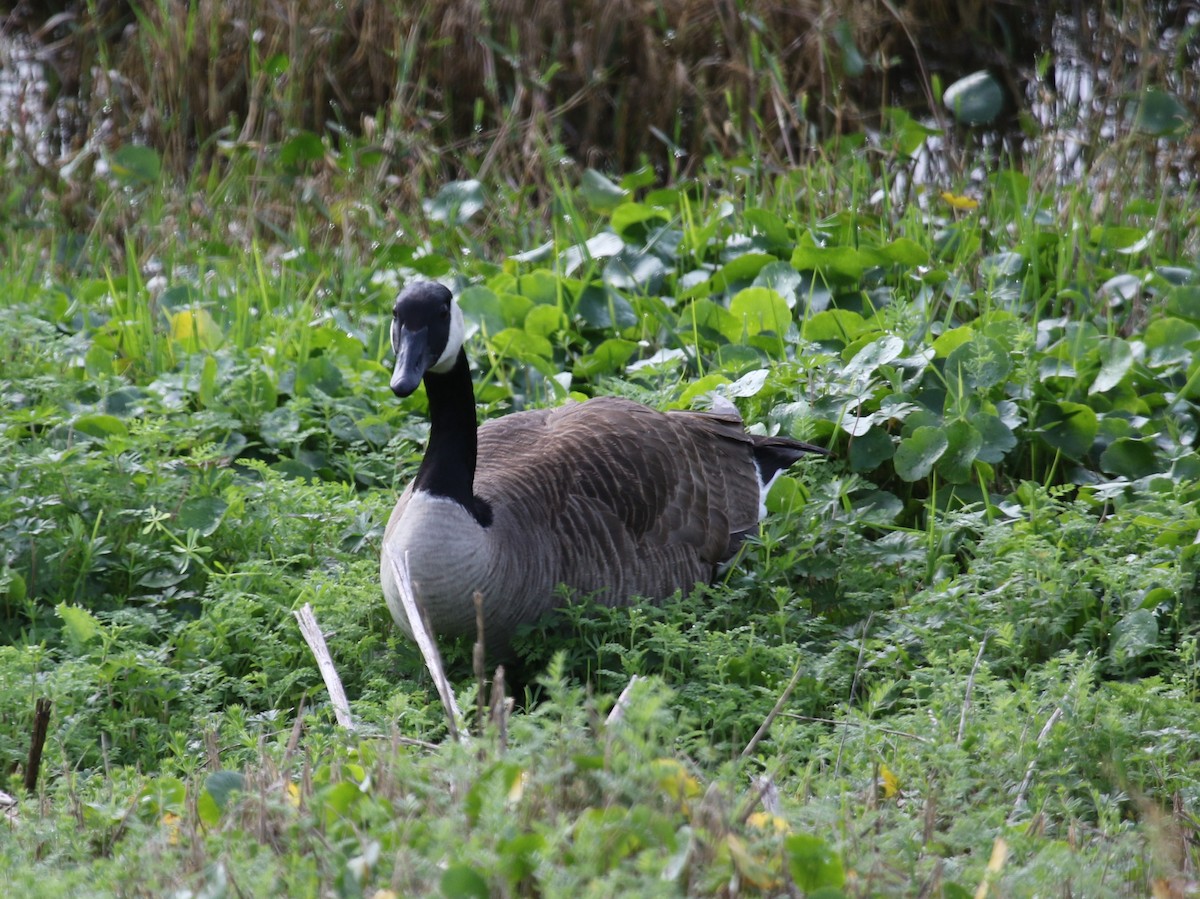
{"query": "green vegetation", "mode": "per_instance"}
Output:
(974, 630)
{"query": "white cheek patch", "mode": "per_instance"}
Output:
(454, 341)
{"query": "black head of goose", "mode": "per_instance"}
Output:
(607, 497)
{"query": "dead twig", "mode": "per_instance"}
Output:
(37, 741)
(316, 643)
(1023, 791)
(966, 707)
(774, 713)
(425, 643)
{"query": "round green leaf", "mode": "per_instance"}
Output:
(813, 863)
(599, 192)
(963, 445)
(1130, 458)
(1160, 113)
(981, 362)
(456, 203)
(1116, 358)
(202, 514)
(100, 426)
(136, 165)
(303, 148)
(976, 99)
(464, 882)
(1169, 342)
(997, 438)
(1068, 427)
(1135, 635)
(919, 451)
(870, 450)
(754, 310)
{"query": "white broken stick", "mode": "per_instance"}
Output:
(316, 642)
(425, 643)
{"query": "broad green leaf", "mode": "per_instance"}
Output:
(630, 220)
(905, 251)
(202, 514)
(749, 384)
(546, 320)
(599, 192)
(846, 262)
(757, 309)
(951, 340)
(1130, 458)
(1006, 266)
(303, 148)
(1135, 635)
(221, 785)
(100, 426)
(609, 356)
(456, 203)
(699, 387)
(318, 373)
(853, 63)
(1169, 342)
(977, 99)
(634, 270)
(1116, 358)
(136, 165)
(1121, 238)
(195, 329)
(870, 450)
(997, 437)
(521, 345)
(1184, 301)
(813, 863)
(540, 285)
(919, 451)
(1160, 113)
(963, 445)
(741, 269)
(870, 357)
(770, 225)
(783, 279)
(79, 625)
(709, 319)
(482, 308)
(605, 309)
(833, 326)
(981, 362)
(1069, 427)
(908, 134)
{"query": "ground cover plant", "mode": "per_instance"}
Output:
(972, 632)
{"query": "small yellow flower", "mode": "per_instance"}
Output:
(767, 821)
(959, 202)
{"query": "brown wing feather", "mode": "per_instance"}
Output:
(637, 501)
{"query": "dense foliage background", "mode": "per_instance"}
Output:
(972, 631)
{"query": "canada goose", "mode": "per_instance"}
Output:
(607, 496)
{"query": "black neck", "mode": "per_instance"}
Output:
(448, 468)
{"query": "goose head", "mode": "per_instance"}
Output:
(427, 334)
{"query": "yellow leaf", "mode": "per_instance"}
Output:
(675, 780)
(517, 790)
(767, 821)
(959, 202)
(195, 329)
(891, 784)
